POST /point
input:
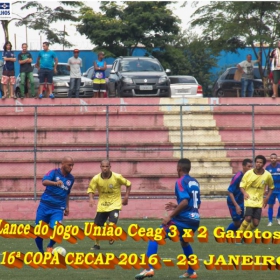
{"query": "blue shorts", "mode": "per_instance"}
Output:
(48, 215)
(193, 226)
(45, 74)
(272, 198)
(235, 217)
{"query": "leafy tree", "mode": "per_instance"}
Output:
(229, 25)
(119, 28)
(41, 17)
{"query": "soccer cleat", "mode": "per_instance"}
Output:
(270, 224)
(51, 96)
(111, 242)
(278, 221)
(187, 275)
(145, 273)
(40, 96)
(49, 249)
(95, 247)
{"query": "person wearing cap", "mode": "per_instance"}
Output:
(99, 81)
(74, 65)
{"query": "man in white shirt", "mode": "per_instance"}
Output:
(74, 65)
(275, 67)
(247, 69)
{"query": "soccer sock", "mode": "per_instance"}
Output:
(250, 227)
(232, 227)
(278, 213)
(152, 249)
(270, 214)
(97, 242)
(39, 243)
(244, 225)
(188, 251)
(52, 242)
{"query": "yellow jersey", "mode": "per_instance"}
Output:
(109, 191)
(255, 186)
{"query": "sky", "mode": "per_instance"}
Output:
(18, 35)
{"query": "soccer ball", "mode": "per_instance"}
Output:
(60, 250)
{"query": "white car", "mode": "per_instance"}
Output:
(185, 86)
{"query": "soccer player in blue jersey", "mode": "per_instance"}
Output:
(184, 215)
(55, 199)
(274, 169)
(235, 199)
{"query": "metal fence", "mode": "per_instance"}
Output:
(35, 137)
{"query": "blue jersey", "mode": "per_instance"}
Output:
(99, 74)
(187, 188)
(47, 59)
(275, 172)
(8, 65)
(54, 196)
(235, 189)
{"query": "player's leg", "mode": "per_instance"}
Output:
(113, 218)
(256, 217)
(271, 202)
(100, 219)
(102, 89)
(56, 216)
(236, 218)
(96, 86)
(243, 88)
(278, 212)
(250, 88)
(247, 220)
(41, 215)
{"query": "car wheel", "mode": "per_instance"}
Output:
(117, 92)
(17, 92)
(220, 93)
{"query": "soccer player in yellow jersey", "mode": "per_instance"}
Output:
(108, 184)
(252, 186)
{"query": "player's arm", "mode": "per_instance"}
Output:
(104, 67)
(125, 199)
(95, 66)
(52, 183)
(176, 211)
(55, 64)
(170, 206)
(37, 65)
(243, 185)
(234, 184)
(66, 211)
(91, 190)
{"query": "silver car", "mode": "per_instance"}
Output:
(61, 82)
(185, 86)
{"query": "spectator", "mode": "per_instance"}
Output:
(99, 81)
(26, 71)
(74, 65)
(247, 69)
(8, 76)
(47, 64)
(275, 67)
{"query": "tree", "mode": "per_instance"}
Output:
(187, 55)
(119, 28)
(231, 25)
(41, 17)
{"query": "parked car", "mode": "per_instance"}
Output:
(138, 77)
(61, 81)
(226, 86)
(185, 86)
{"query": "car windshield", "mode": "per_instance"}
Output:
(182, 80)
(140, 65)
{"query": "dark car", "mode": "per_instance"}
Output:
(137, 77)
(226, 86)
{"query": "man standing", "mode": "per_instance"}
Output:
(252, 186)
(274, 169)
(74, 65)
(55, 199)
(108, 184)
(47, 64)
(26, 70)
(247, 69)
(8, 75)
(99, 80)
(275, 67)
(235, 199)
(184, 215)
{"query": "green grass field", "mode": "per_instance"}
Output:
(169, 250)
